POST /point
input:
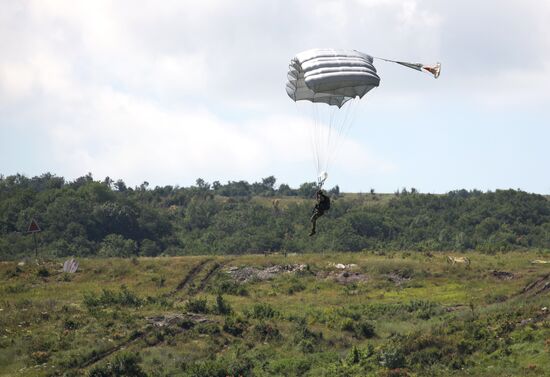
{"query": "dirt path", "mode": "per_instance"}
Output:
(190, 276)
(100, 356)
(537, 287)
(213, 270)
(147, 330)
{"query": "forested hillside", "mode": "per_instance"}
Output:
(86, 217)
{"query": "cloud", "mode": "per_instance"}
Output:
(179, 89)
(127, 137)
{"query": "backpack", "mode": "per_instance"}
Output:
(324, 204)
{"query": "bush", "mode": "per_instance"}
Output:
(291, 366)
(123, 365)
(392, 357)
(196, 305)
(43, 272)
(266, 331)
(347, 325)
(222, 367)
(262, 311)
(40, 357)
(207, 328)
(225, 285)
(70, 324)
(235, 326)
(364, 329)
(109, 298)
(295, 286)
(221, 306)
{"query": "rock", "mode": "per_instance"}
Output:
(342, 266)
(246, 274)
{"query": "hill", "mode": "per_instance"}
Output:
(105, 218)
(391, 314)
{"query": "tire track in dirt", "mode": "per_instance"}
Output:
(95, 358)
(536, 287)
(213, 270)
(190, 276)
(102, 355)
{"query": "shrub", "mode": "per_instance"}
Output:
(262, 311)
(266, 331)
(40, 357)
(123, 365)
(70, 324)
(221, 306)
(347, 325)
(291, 366)
(295, 286)
(301, 332)
(229, 287)
(207, 328)
(364, 329)
(306, 346)
(222, 367)
(159, 280)
(109, 298)
(43, 272)
(196, 305)
(392, 357)
(234, 326)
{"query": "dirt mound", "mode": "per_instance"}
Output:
(246, 274)
(398, 277)
(503, 275)
(349, 277)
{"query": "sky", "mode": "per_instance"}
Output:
(168, 92)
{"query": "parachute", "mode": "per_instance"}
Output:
(331, 76)
(337, 78)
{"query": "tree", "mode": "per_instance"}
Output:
(285, 190)
(120, 186)
(307, 190)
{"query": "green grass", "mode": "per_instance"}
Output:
(434, 319)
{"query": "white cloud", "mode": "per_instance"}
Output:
(125, 136)
(178, 89)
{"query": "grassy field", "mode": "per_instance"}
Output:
(395, 314)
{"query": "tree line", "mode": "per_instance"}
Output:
(88, 217)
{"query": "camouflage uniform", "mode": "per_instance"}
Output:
(323, 204)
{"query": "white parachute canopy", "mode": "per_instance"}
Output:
(330, 76)
(336, 78)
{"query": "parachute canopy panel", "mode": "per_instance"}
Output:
(330, 76)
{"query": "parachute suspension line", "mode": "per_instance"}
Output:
(309, 111)
(317, 126)
(343, 128)
(329, 138)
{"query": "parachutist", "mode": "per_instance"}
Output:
(322, 205)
